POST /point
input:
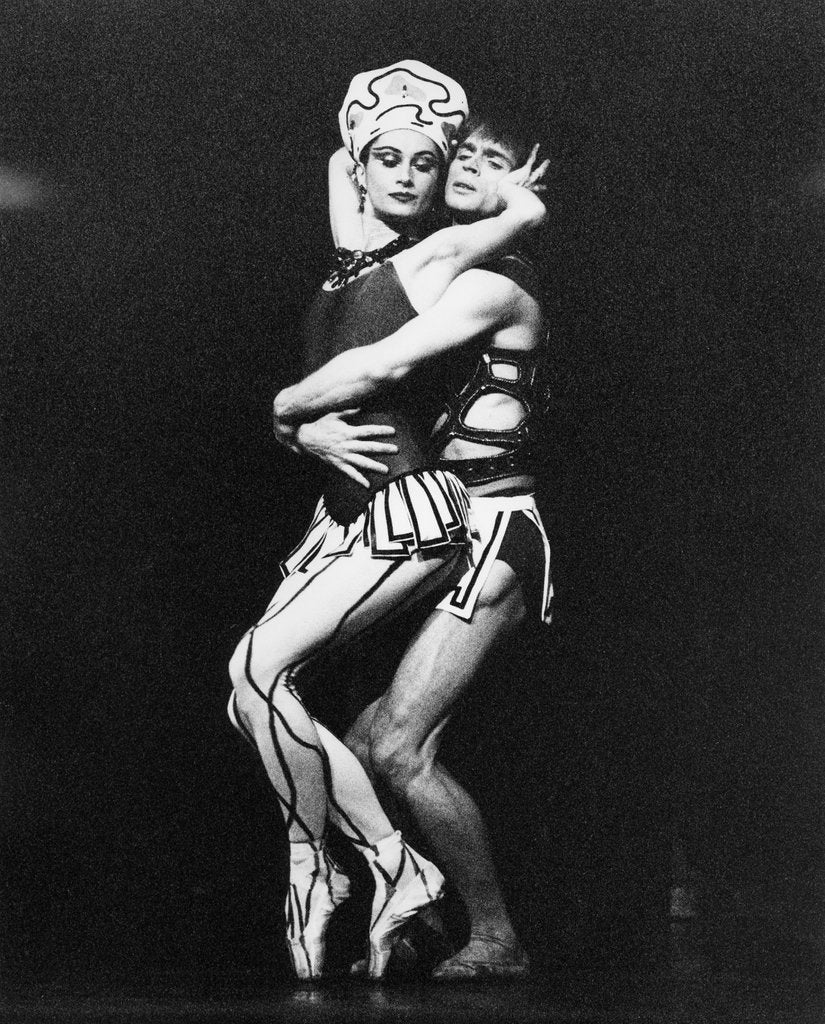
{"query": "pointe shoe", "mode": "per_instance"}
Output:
(317, 887)
(403, 962)
(420, 945)
(485, 958)
(400, 892)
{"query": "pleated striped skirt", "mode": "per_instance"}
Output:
(415, 514)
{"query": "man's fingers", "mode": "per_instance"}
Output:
(540, 171)
(373, 430)
(374, 446)
(363, 462)
(525, 172)
(353, 474)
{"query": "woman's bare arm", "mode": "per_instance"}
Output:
(344, 214)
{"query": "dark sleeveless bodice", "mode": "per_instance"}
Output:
(367, 309)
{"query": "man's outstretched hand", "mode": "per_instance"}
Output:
(345, 446)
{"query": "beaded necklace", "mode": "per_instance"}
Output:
(350, 262)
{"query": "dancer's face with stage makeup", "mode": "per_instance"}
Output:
(401, 171)
(472, 180)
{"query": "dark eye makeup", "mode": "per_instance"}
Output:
(425, 164)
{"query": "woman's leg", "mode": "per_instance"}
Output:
(313, 612)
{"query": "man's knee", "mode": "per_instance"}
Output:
(395, 757)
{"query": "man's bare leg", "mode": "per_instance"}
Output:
(406, 729)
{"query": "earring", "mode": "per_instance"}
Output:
(362, 195)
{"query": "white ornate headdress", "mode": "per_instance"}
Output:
(407, 94)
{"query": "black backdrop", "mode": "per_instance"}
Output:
(152, 282)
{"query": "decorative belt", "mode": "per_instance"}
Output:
(487, 468)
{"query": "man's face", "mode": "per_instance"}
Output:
(472, 180)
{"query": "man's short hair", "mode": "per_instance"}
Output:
(499, 128)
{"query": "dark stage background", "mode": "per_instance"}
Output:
(163, 224)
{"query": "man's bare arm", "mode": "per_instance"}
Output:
(459, 246)
(476, 302)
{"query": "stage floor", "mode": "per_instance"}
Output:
(687, 994)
